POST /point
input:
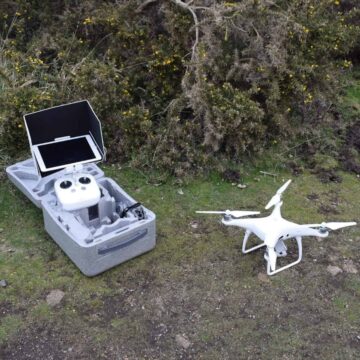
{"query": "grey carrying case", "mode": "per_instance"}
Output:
(98, 237)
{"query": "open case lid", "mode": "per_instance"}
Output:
(74, 120)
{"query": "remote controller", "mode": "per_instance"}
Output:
(77, 191)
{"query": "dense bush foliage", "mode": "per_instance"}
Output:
(178, 86)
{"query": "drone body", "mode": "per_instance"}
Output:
(273, 230)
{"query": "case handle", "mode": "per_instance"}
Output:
(137, 236)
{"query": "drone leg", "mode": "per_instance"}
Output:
(299, 243)
(246, 237)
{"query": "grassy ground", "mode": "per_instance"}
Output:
(195, 283)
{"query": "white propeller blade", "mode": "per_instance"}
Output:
(332, 225)
(277, 197)
(234, 213)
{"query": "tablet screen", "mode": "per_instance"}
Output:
(66, 152)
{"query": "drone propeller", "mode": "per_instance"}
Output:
(277, 197)
(233, 213)
(331, 225)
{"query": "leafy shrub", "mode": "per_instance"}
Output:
(259, 72)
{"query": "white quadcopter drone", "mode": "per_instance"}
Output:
(274, 229)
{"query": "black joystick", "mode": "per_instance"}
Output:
(65, 184)
(84, 180)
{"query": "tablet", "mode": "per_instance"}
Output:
(56, 155)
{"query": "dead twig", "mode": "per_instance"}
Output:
(144, 5)
(268, 174)
(187, 6)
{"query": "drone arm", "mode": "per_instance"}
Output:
(304, 230)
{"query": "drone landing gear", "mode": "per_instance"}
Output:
(279, 249)
(246, 237)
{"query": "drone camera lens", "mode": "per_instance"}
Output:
(65, 184)
(84, 180)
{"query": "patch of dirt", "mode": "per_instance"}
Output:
(352, 142)
(36, 343)
(49, 341)
(6, 308)
(295, 168)
(215, 305)
(349, 163)
(206, 225)
(307, 150)
(327, 176)
(313, 197)
(327, 210)
(232, 176)
(353, 136)
(328, 203)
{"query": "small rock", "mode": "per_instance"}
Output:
(160, 303)
(180, 192)
(54, 297)
(263, 278)
(194, 224)
(242, 186)
(182, 341)
(131, 301)
(3, 283)
(333, 270)
(233, 184)
(349, 267)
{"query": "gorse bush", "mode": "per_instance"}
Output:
(177, 86)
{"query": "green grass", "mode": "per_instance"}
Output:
(350, 102)
(195, 282)
(10, 325)
(353, 93)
